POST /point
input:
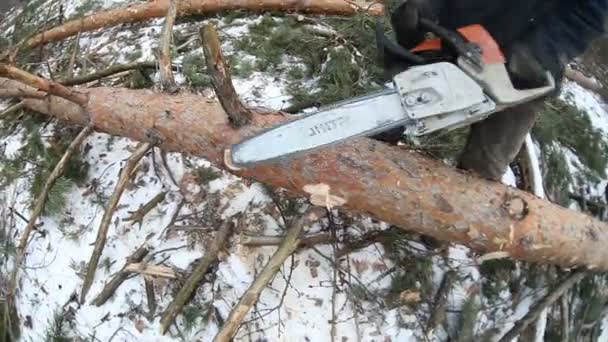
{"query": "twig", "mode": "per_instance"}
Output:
(114, 69)
(221, 238)
(441, 301)
(12, 109)
(262, 241)
(166, 74)
(22, 92)
(565, 317)
(149, 284)
(110, 288)
(40, 202)
(544, 303)
(250, 297)
(138, 215)
(39, 83)
(72, 62)
(151, 270)
(125, 176)
(238, 114)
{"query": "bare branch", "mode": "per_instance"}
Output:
(166, 38)
(193, 281)
(149, 284)
(138, 215)
(539, 307)
(220, 77)
(39, 83)
(125, 176)
(110, 288)
(112, 70)
(22, 93)
(151, 270)
(250, 297)
(441, 301)
(307, 240)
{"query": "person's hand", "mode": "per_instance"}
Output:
(525, 69)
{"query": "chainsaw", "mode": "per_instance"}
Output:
(433, 94)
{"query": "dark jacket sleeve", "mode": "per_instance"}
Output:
(567, 33)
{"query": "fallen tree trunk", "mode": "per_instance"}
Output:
(394, 185)
(156, 9)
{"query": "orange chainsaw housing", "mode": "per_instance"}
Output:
(477, 34)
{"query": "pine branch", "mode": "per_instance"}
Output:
(192, 283)
(110, 288)
(125, 176)
(40, 202)
(250, 297)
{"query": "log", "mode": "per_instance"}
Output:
(582, 80)
(156, 9)
(400, 187)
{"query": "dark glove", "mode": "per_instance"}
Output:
(405, 19)
(525, 69)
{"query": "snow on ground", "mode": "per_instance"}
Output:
(56, 258)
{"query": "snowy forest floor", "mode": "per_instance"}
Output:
(363, 281)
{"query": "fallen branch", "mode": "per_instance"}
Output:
(22, 93)
(11, 110)
(149, 284)
(125, 176)
(112, 70)
(564, 308)
(34, 81)
(250, 297)
(403, 188)
(440, 303)
(192, 283)
(264, 241)
(40, 203)
(546, 302)
(151, 270)
(167, 80)
(138, 215)
(220, 77)
(156, 9)
(110, 288)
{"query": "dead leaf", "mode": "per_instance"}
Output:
(140, 325)
(410, 296)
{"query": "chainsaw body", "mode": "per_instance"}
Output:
(424, 98)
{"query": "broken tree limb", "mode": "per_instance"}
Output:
(138, 215)
(150, 297)
(193, 281)
(125, 176)
(40, 203)
(110, 288)
(400, 187)
(151, 270)
(238, 113)
(39, 83)
(438, 313)
(250, 297)
(156, 9)
(112, 70)
(264, 241)
(548, 300)
(167, 81)
(11, 110)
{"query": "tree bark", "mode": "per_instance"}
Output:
(156, 9)
(401, 187)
